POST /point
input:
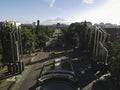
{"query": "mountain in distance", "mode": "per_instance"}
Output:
(59, 19)
(54, 21)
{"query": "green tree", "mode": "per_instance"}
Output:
(0, 49)
(78, 35)
(0, 54)
(37, 36)
(43, 33)
(5, 42)
(114, 60)
(42, 39)
(28, 41)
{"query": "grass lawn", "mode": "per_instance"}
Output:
(3, 70)
(58, 52)
(49, 65)
(3, 82)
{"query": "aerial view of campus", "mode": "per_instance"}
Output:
(59, 45)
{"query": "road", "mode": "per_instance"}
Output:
(29, 80)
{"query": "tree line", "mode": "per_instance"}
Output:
(114, 60)
(80, 36)
(35, 37)
(32, 36)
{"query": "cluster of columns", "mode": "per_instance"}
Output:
(11, 39)
(100, 53)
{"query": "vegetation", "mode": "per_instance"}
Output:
(79, 35)
(0, 50)
(3, 83)
(5, 42)
(35, 37)
(28, 39)
(0, 55)
(58, 52)
(114, 60)
(32, 38)
(82, 37)
(43, 33)
(3, 69)
(49, 65)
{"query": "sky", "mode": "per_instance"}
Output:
(96, 11)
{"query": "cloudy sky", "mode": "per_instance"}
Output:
(95, 11)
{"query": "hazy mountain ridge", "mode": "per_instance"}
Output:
(54, 21)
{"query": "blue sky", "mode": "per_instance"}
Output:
(95, 11)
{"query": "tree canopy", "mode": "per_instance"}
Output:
(114, 60)
(79, 35)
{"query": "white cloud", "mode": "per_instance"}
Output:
(51, 2)
(88, 1)
(107, 13)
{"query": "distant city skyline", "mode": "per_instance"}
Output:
(28, 11)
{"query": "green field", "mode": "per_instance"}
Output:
(49, 65)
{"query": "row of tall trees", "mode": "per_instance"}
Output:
(35, 37)
(5, 30)
(28, 40)
(114, 60)
(0, 54)
(32, 37)
(79, 35)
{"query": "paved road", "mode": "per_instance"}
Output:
(29, 80)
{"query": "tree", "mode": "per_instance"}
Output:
(28, 41)
(0, 54)
(6, 42)
(37, 36)
(0, 50)
(42, 39)
(43, 33)
(114, 60)
(78, 35)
